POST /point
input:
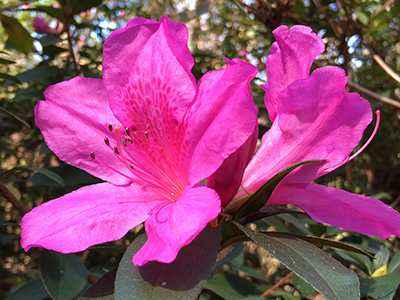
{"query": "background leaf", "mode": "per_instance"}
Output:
(17, 34)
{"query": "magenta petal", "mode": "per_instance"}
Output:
(175, 224)
(91, 215)
(317, 120)
(221, 120)
(74, 122)
(227, 179)
(337, 207)
(291, 58)
(147, 74)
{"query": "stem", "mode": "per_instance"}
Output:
(278, 284)
(71, 50)
(14, 201)
(386, 68)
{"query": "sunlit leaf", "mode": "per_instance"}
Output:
(17, 34)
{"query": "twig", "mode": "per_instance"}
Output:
(14, 201)
(319, 7)
(384, 6)
(386, 68)
(371, 94)
(278, 284)
(71, 50)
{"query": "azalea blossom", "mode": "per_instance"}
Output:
(41, 26)
(313, 118)
(151, 133)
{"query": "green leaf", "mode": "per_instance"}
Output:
(5, 223)
(381, 258)
(14, 116)
(233, 287)
(6, 61)
(230, 255)
(362, 17)
(34, 290)
(38, 73)
(260, 198)
(302, 286)
(319, 242)
(51, 11)
(64, 275)
(313, 265)
(17, 34)
(50, 39)
(394, 264)
(49, 174)
(182, 279)
(382, 287)
(356, 259)
(9, 77)
(231, 235)
(102, 289)
(267, 212)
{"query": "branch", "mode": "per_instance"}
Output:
(71, 51)
(278, 284)
(371, 94)
(14, 201)
(384, 6)
(386, 68)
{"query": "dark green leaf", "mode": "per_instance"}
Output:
(50, 39)
(51, 11)
(9, 77)
(317, 241)
(38, 73)
(265, 212)
(34, 290)
(381, 258)
(260, 198)
(6, 61)
(230, 255)
(382, 287)
(63, 274)
(17, 34)
(5, 223)
(231, 235)
(14, 116)
(83, 5)
(182, 279)
(360, 261)
(46, 172)
(102, 289)
(313, 265)
(302, 286)
(394, 264)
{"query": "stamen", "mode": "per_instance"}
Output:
(148, 126)
(131, 165)
(124, 141)
(116, 149)
(130, 140)
(146, 133)
(128, 132)
(92, 155)
(110, 127)
(107, 141)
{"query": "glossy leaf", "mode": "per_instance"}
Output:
(64, 275)
(182, 279)
(102, 289)
(34, 290)
(17, 34)
(313, 265)
(394, 264)
(10, 77)
(260, 198)
(381, 288)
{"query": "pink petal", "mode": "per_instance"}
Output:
(91, 215)
(147, 73)
(340, 208)
(176, 224)
(74, 122)
(291, 58)
(227, 179)
(316, 119)
(221, 120)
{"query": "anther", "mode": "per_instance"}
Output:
(110, 127)
(116, 149)
(130, 140)
(128, 132)
(147, 134)
(131, 165)
(124, 141)
(107, 141)
(148, 126)
(92, 155)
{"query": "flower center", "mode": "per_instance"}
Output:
(157, 174)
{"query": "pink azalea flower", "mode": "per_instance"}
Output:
(41, 26)
(152, 134)
(313, 118)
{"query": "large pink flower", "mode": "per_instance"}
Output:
(313, 118)
(152, 134)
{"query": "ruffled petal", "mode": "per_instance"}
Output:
(91, 215)
(317, 120)
(221, 120)
(227, 179)
(291, 58)
(175, 224)
(74, 122)
(349, 211)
